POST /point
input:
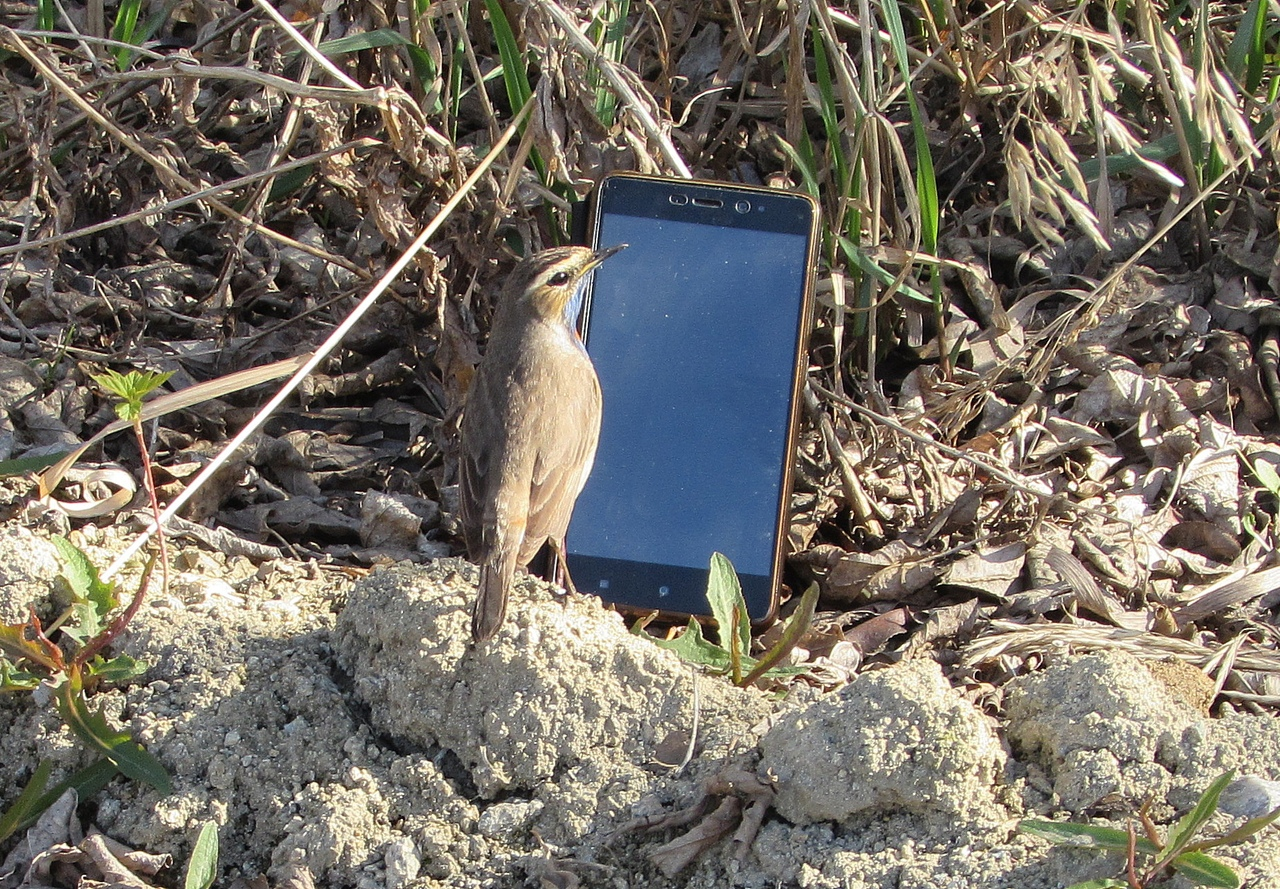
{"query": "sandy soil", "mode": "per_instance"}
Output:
(348, 724)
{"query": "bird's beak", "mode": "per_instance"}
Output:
(601, 255)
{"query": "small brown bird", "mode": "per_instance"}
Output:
(530, 425)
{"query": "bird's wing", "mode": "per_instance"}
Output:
(563, 464)
(483, 459)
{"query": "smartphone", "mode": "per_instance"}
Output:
(698, 331)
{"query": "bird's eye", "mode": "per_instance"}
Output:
(559, 279)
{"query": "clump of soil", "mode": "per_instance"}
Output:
(350, 726)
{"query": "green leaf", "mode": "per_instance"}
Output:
(92, 727)
(1182, 833)
(87, 782)
(131, 388)
(14, 679)
(25, 806)
(724, 594)
(133, 760)
(1266, 475)
(797, 625)
(695, 648)
(288, 182)
(93, 598)
(23, 465)
(1206, 871)
(120, 668)
(15, 644)
(1085, 836)
(202, 869)
(1246, 830)
(364, 40)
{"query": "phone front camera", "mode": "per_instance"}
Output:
(742, 206)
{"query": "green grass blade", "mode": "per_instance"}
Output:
(1247, 55)
(828, 107)
(377, 39)
(804, 163)
(24, 806)
(46, 15)
(1182, 833)
(456, 65)
(858, 257)
(124, 30)
(609, 33)
(926, 179)
(23, 465)
(514, 74)
(1085, 836)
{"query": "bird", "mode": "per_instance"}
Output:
(530, 425)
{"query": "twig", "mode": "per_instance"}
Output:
(610, 70)
(282, 145)
(327, 346)
(697, 721)
(989, 467)
(167, 174)
(84, 39)
(289, 87)
(306, 46)
(194, 197)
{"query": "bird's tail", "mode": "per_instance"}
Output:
(491, 601)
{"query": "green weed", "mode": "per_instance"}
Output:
(731, 655)
(75, 664)
(1179, 850)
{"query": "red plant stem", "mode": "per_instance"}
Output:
(1134, 882)
(105, 638)
(53, 652)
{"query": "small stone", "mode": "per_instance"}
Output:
(402, 861)
(1250, 796)
(508, 820)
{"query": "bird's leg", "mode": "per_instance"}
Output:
(562, 565)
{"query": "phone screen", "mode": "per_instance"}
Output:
(696, 331)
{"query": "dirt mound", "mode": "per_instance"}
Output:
(350, 726)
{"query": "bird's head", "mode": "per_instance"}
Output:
(552, 282)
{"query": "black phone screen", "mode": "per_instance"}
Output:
(696, 332)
